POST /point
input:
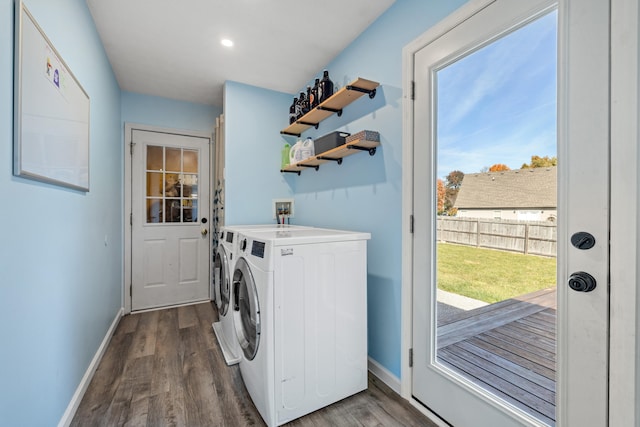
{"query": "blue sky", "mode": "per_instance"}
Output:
(498, 104)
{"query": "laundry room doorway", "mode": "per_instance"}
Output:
(167, 205)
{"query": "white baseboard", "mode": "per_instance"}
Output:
(384, 375)
(68, 415)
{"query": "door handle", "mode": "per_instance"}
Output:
(204, 232)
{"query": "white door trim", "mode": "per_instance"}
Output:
(128, 130)
(624, 375)
(460, 15)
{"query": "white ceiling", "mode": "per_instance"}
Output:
(171, 48)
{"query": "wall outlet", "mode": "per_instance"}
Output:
(282, 207)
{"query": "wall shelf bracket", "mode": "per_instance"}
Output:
(371, 150)
(338, 111)
(316, 167)
(370, 92)
(338, 160)
(288, 171)
(315, 125)
(289, 133)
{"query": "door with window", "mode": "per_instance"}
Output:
(523, 119)
(170, 205)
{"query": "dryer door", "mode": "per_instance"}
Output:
(222, 281)
(246, 314)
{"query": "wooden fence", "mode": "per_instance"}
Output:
(536, 238)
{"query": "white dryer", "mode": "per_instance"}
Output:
(224, 263)
(301, 318)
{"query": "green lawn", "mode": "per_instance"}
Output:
(490, 275)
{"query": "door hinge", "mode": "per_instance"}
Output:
(130, 290)
(413, 90)
(411, 358)
(411, 224)
(131, 145)
(131, 218)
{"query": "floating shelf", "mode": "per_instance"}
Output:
(333, 155)
(333, 105)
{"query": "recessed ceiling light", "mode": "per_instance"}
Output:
(226, 42)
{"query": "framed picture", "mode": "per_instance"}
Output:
(51, 111)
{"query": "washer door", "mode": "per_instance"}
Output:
(221, 283)
(246, 312)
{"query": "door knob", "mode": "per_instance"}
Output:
(582, 282)
(204, 231)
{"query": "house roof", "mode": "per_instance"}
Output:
(522, 188)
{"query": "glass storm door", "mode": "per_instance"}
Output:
(170, 199)
(504, 191)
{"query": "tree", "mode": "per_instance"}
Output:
(540, 162)
(499, 167)
(452, 186)
(442, 193)
(454, 180)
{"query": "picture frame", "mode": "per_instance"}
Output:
(51, 111)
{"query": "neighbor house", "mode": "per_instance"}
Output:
(521, 194)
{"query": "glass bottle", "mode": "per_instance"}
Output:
(299, 112)
(292, 111)
(309, 98)
(304, 103)
(314, 93)
(326, 86)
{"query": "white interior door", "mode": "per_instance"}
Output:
(170, 219)
(581, 387)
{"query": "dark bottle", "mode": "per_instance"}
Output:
(292, 111)
(326, 86)
(315, 99)
(304, 103)
(309, 98)
(300, 107)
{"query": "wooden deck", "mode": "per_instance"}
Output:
(509, 349)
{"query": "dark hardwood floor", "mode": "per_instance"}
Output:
(164, 368)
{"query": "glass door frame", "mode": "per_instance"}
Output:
(570, 27)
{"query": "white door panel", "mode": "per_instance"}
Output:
(583, 205)
(170, 205)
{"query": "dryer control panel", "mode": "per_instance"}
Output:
(257, 249)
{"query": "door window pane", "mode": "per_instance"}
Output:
(155, 158)
(173, 211)
(171, 193)
(155, 186)
(154, 211)
(497, 201)
(190, 161)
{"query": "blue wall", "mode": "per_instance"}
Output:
(364, 193)
(168, 113)
(60, 284)
(253, 120)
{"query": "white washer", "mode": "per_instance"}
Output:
(224, 263)
(301, 319)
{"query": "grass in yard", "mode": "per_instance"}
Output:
(491, 275)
